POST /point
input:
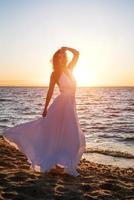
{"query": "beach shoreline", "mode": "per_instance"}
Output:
(96, 181)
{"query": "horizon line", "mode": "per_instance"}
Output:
(77, 86)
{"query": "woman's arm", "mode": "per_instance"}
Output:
(75, 56)
(49, 93)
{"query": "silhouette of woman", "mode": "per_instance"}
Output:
(55, 139)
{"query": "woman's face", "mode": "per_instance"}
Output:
(63, 58)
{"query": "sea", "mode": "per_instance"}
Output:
(106, 116)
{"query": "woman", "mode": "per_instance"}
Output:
(55, 139)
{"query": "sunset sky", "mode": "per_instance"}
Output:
(32, 30)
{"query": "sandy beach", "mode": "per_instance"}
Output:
(19, 182)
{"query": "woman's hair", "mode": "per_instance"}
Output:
(58, 64)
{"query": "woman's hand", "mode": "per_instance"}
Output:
(74, 51)
(64, 48)
(44, 113)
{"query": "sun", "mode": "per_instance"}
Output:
(84, 74)
(82, 78)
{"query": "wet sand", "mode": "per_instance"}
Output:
(96, 181)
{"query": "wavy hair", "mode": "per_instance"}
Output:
(58, 64)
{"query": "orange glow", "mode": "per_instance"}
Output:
(84, 74)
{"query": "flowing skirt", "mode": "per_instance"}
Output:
(51, 140)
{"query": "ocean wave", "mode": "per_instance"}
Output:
(5, 99)
(110, 153)
(118, 137)
(128, 109)
(127, 139)
(109, 136)
(4, 120)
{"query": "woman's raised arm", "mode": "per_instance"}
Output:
(74, 60)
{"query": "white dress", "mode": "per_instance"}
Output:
(56, 138)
